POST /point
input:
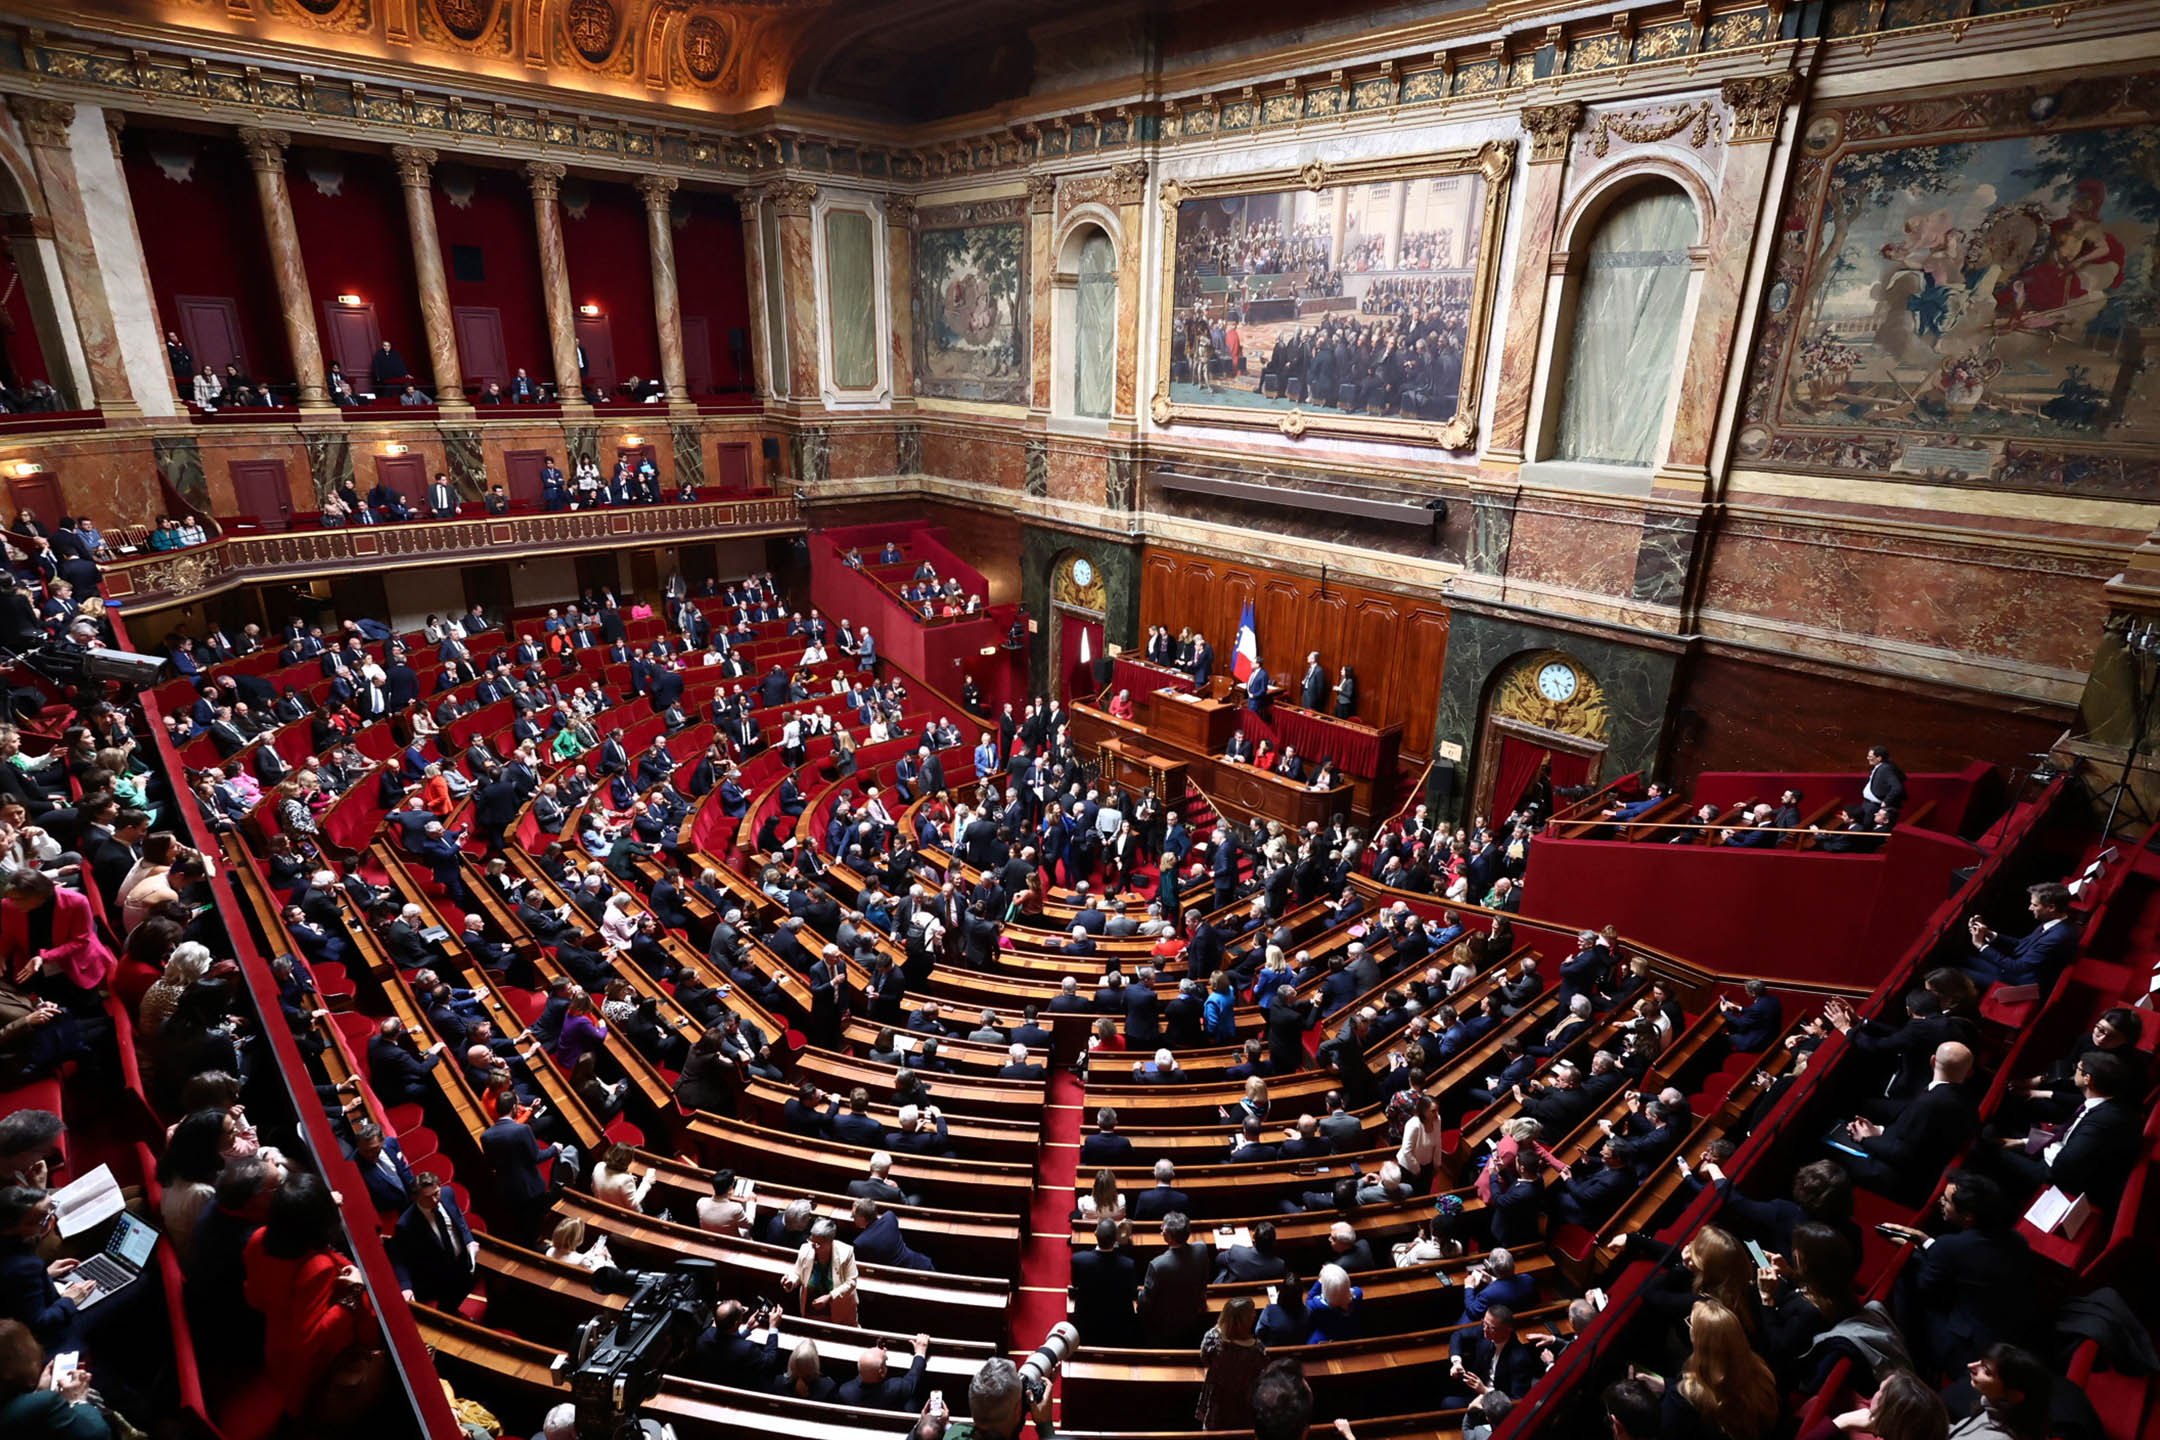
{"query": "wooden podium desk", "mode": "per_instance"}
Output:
(1201, 723)
(1127, 765)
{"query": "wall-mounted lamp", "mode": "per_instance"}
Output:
(588, 309)
(23, 469)
(350, 300)
(395, 447)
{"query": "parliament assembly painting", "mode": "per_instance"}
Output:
(1057, 720)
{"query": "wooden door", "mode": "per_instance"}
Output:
(350, 335)
(262, 493)
(480, 344)
(598, 337)
(407, 475)
(38, 494)
(733, 469)
(697, 355)
(598, 572)
(210, 324)
(699, 563)
(522, 475)
(645, 574)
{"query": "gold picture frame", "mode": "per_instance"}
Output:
(1192, 300)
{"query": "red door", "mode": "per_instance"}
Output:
(598, 338)
(37, 495)
(697, 355)
(404, 474)
(522, 475)
(210, 324)
(350, 336)
(733, 469)
(480, 344)
(1075, 634)
(260, 490)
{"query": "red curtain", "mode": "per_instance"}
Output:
(1568, 770)
(1518, 767)
(1077, 680)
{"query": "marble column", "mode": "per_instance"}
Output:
(1042, 275)
(900, 270)
(266, 155)
(415, 167)
(1757, 104)
(1552, 128)
(659, 193)
(791, 201)
(545, 177)
(755, 260)
(44, 125)
(115, 122)
(1128, 185)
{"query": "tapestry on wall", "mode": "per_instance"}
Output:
(1351, 299)
(1964, 291)
(971, 285)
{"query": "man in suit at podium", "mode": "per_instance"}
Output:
(1203, 662)
(1256, 688)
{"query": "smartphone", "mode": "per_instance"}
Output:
(1893, 1234)
(1762, 1260)
(64, 1366)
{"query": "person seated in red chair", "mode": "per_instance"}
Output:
(1121, 705)
(1264, 756)
(46, 932)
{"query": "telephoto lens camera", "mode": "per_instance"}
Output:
(1056, 1348)
(618, 1361)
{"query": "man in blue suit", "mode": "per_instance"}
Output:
(515, 1155)
(878, 1240)
(2040, 956)
(1751, 1028)
(1256, 688)
(390, 1181)
(1203, 662)
(435, 1247)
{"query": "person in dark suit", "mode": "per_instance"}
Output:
(1018, 1066)
(857, 1126)
(1162, 1197)
(1489, 1356)
(1203, 662)
(1970, 1287)
(2091, 1154)
(1588, 1197)
(1885, 788)
(515, 1155)
(879, 1241)
(726, 1355)
(1750, 1029)
(381, 1163)
(1257, 1261)
(1173, 1297)
(875, 1387)
(1104, 1283)
(1907, 1156)
(1143, 1027)
(878, 1186)
(1250, 1148)
(396, 1069)
(2040, 955)
(1105, 1146)
(435, 1247)
(1312, 694)
(1256, 688)
(1288, 1019)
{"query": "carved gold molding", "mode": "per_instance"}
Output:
(1657, 122)
(415, 164)
(265, 148)
(1128, 182)
(790, 199)
(658, 190)
(1550, 128)
(1757, 104)
(1041, 193)
(545, 177)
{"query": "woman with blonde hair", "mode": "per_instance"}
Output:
(1725, 1381)
(187, 964)
(567, 1244)
(1102, 1198)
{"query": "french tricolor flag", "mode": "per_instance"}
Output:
(1246, 659)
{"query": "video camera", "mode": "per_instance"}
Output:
(617, 1362)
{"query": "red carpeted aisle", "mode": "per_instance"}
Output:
(1046, 1258)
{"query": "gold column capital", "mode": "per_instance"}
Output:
(1128, 182)
(415, 163)
(115, 122)
(900, 211)
(1757, 103)
(265, 148)
(657, 189)
(790, 199)
(44, 122)
(1041, 193)
(1551, 127)
(545, 177)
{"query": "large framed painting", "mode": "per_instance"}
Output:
(1965, 292)
(971, 289)
(1350, 299)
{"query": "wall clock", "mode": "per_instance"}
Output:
(1083, 574)
(1556, 682)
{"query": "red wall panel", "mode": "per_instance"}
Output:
(25, 355)
(711, 275)
(203, 235)
(497, 220)
(354, 239)
(611, 266)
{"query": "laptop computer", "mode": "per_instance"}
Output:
(121, 1263)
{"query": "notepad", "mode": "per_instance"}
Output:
(87, 1202)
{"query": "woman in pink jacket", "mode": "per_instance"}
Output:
(47, 937)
